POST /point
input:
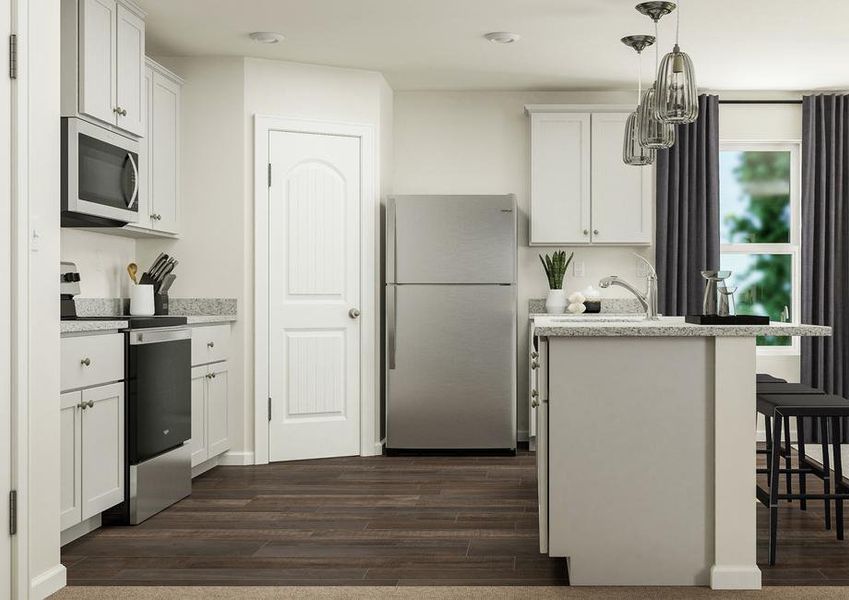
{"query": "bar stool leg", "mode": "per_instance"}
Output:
(773, 490)
(838, 474)
(768, 430)
(826, 480)
(788, 461)
(803, 477)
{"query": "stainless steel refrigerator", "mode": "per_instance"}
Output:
(451, 323)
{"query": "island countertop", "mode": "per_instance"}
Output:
(635, 326)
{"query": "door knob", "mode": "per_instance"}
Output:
(354, 313)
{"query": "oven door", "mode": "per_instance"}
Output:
(100, 175)
(159, 404)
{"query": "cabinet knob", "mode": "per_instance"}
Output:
(209, 375)
(155, 217)
(213, 375)
(535, 365)
(123, 112)
(86, 362)
(90, 403)
(85, 405)
(210, 344)
(535, 403)
(534, 394)
(534, 354)
(586, 231)
(595, 231)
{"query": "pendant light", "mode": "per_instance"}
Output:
(677, 99)
(634, 153)
(654, 133)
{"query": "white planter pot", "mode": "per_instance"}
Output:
(556, 302)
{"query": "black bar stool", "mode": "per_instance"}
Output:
(829, 410)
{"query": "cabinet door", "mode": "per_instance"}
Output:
(70, 429)
(621, 194)
(164, 153)
(197, 445)
(217, 409)
(144, 154)
(560, 179)
(98, 39)
(102, 448)
(130, 71)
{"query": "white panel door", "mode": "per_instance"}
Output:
(314, 275)
(164, 153)
(130, 71)
(560, 179)
(70, 432)
(198, 445)
(98, 41)
(621, 194)
(217, 409)
(102, 448)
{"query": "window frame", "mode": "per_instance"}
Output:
(793, 247)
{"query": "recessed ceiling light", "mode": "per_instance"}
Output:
(502, 37)
(267, 37)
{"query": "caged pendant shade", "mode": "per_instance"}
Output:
(633, 152)
(654, 133)
(677, 99)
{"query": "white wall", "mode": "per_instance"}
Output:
(479, 143)
(220, 99)
(102, 260)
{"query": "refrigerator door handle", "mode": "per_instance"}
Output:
(391, 323)
(391, 242)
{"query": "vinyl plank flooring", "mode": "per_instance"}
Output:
(452, 520)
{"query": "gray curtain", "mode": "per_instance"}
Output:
(687, 215)
(825, 240)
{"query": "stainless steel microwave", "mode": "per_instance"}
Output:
(100, 176)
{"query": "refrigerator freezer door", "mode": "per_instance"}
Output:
(451, 239)
(451, 370)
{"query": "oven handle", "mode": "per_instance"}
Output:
(135, 195)
(158, 336)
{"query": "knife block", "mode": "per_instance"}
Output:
(160, 304)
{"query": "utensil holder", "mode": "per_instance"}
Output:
(141, 300)
(160, 304)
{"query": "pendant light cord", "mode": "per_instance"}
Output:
(677, 22)
(639, 78)
(656, 50)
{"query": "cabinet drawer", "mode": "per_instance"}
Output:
(210, 344)
(91, 360)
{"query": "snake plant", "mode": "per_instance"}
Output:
(555, 266)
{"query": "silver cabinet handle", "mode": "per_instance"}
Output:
(354, 313)
(86, 362)
(595, 231)
(586, 231)
(90, 403)
(210, 344)
(535, 364)
(209, 375)
(213, 375)
(391, 299)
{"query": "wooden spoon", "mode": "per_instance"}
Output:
(133, 269)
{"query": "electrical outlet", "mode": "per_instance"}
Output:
(578, 268)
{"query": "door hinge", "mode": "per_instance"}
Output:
(269, 409)
(13, 56)
(269, 174)
(13, 512)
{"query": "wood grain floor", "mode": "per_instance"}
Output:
(379, 521)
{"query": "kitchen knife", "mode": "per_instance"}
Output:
(160, 277)
(158, 265)
(167, 282)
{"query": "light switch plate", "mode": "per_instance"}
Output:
(578, 268)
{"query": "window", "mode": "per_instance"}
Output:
(760, 231)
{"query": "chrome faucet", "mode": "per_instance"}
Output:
(648, 300)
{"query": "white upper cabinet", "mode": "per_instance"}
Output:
(103, 63)
(163, 151)
(560, 178)
(581, 191)
(621, 194)
(130, 69)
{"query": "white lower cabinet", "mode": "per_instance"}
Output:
(92, 443)
(210, 412)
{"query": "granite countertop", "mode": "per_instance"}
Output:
(198, 311)
(597, 326)
(91, 326)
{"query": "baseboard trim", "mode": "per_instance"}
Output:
(735, 578)
(206, 466)
(49, 582)
(522, 435)
(236, 459)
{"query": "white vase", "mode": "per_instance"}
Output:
(141, 300)
(556, 302)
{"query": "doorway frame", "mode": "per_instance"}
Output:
(264, 125)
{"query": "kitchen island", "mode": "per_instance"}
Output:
(646, 448)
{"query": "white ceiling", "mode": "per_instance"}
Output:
(565, 45)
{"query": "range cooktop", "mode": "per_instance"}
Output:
(138, 322)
